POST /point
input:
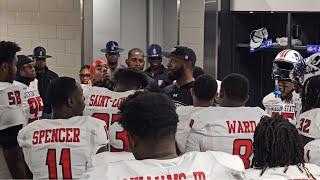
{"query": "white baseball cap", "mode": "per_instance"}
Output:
(257, 37)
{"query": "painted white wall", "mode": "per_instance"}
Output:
(53, 24)
(106, 24)
(124, 21)
(192, 27)
(275, 5)
(156, 13)
(170, 26)
(133, 26)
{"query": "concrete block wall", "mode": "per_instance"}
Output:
(192, 26)
(54, 24)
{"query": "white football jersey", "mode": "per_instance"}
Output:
(183, 128)
(108, 157)
(278, 173)
(308, 123)
(11, 114)
(32, 103)
(34, 84)
(275, 107)
(11, 105)
(312, 152)
(190, 166)
(103, 104)
(226, 129)
(61, 148)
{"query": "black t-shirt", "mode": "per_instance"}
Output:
(161, 78)
(181, 96)
(152, 85)
(44, 80)
(8, 137)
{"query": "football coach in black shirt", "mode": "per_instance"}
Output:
(180, 66)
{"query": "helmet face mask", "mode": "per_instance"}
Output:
(282, 71)
(284, 63)
(307, 68)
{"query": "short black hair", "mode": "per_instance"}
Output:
(7, 51)
(277, 143)
(130, 78)
(205, 87)
(60, 90)
(150, 116)
(134, 50)
(106, 83)
(236, 86)
(311, 94)
(197, 71)
(84, 67)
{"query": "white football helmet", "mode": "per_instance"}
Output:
(311, 68)
(284, 63)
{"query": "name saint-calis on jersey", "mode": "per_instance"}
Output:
(103, 104)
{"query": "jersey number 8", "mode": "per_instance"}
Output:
(247, 145)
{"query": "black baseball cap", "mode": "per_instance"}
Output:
(22, 60)
(112, 47)
(182, 52)
(40, 52)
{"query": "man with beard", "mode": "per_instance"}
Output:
(112, 53)
(181, 64)
(26, 75)
(44, 76)
(136, 61)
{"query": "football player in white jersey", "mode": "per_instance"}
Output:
(61, 148)
(12, 117)
(151, 122)
(103, 104)
(203, 95)
(308, 123)
(228, 128)
(26, 75)
(278, 152)
(312, 152)
(284, 101)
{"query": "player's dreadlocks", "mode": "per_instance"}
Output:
(277, 144)
(311, 94)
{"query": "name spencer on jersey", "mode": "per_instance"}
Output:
(57, 135)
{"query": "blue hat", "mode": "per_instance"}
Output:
(39, 52)
(154, 50)
(113, 47)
